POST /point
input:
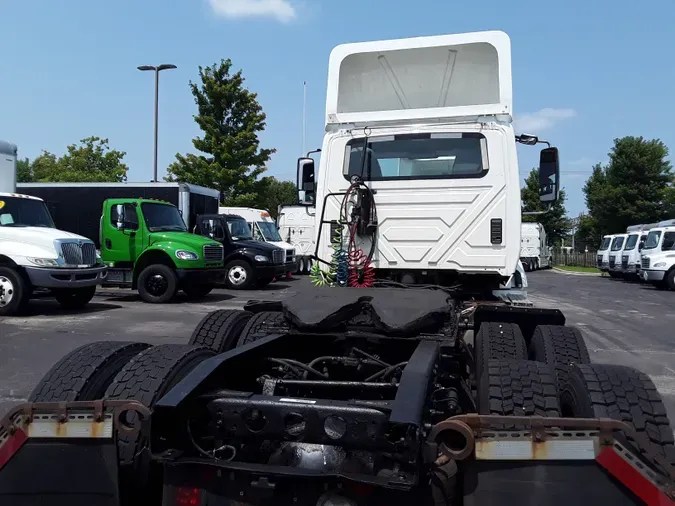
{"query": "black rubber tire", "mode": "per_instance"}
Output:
(74, 298)
(196, 292)
(261, 325)
(167, 273)
(21, 292)
(85, 373)
(620, 393)
(146, 378)
(558, 347)
(250, 278)
(669, 279)
(497, 340)
(220, 330)
(518, 388)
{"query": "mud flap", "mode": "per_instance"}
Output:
(60, 454)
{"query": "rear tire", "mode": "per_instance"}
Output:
(146, 378)
(496, 340)
(85, 373)
(14, 292)
(558, 347)
(157, 284)
(620, 393)
(261, 325)
(301, 265)
(74, 298)
(518, 388)
(220, 330)
(670, 279)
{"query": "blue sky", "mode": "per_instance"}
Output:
(584, 72)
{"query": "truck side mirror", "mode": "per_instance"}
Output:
(641, 245)
(305, 184)
(549, 175)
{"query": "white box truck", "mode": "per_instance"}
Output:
(614, 255)
(265, 229)
(603, 253)
(535, 253)
(296, 226)
(658, 256)
(632, 250)
(35, 256)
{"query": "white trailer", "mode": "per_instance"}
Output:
(296, 226)
(535, 252)
(36, 256)
(420, 146)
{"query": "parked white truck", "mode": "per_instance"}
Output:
(603, 253)
(34, 255)
(418, 177)
(632, 249)
(535, 253)
(296, 226)
(264, 229)
(614, 255)
(658, 256)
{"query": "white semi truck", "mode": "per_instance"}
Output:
(34, 255)
(428, 166)
(296, 226)
(535, 253)
(658, 256)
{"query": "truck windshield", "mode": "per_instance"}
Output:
(162, 217)
(605, 244)
(652, 239)
(618, 242)
(425, 156)
(631, 242)
(23, 212)
(239, 229)
(269, 231)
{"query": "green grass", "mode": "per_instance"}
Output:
(574, 268)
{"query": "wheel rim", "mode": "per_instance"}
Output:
(157, 285)
(237, 275)
(6, 291)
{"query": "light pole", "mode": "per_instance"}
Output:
(157, 70)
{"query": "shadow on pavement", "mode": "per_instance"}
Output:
(49, 307)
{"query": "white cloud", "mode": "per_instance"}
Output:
(282, 10)
(543, 119)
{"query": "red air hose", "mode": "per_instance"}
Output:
(361, 271)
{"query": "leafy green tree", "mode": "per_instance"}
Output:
(272, 193)
(24, 174)
(91, 161)
(230, 118)
(555, 220)
(635, 187)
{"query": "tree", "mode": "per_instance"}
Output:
(231, 118)
(555, 220)
(24, 173)
(635, 187)
(92, 161)
(272, 193)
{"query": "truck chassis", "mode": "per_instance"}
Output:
(344, 396)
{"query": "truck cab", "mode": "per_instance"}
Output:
(631, 254)
(658, 256)
(147, 247)
(35, 255)
(264, 229)
(248, 263)
(614, 255)
(603, 253)
(428, 166)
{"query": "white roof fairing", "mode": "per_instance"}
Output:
(439, 77)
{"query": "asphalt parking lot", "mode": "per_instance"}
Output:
(623, 323)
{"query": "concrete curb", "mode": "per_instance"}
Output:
(571, 273)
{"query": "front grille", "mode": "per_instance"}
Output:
(645, 263)
(599, 260)
(290, 255)
(624, 262)
(76, 253)
(278, 256)
(612, 262)
(213, 253)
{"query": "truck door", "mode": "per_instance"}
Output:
(213, 228)
(122, 239)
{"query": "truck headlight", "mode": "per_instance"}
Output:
(261, 258)
(43, 262)
(659, 264)
(182, 254)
